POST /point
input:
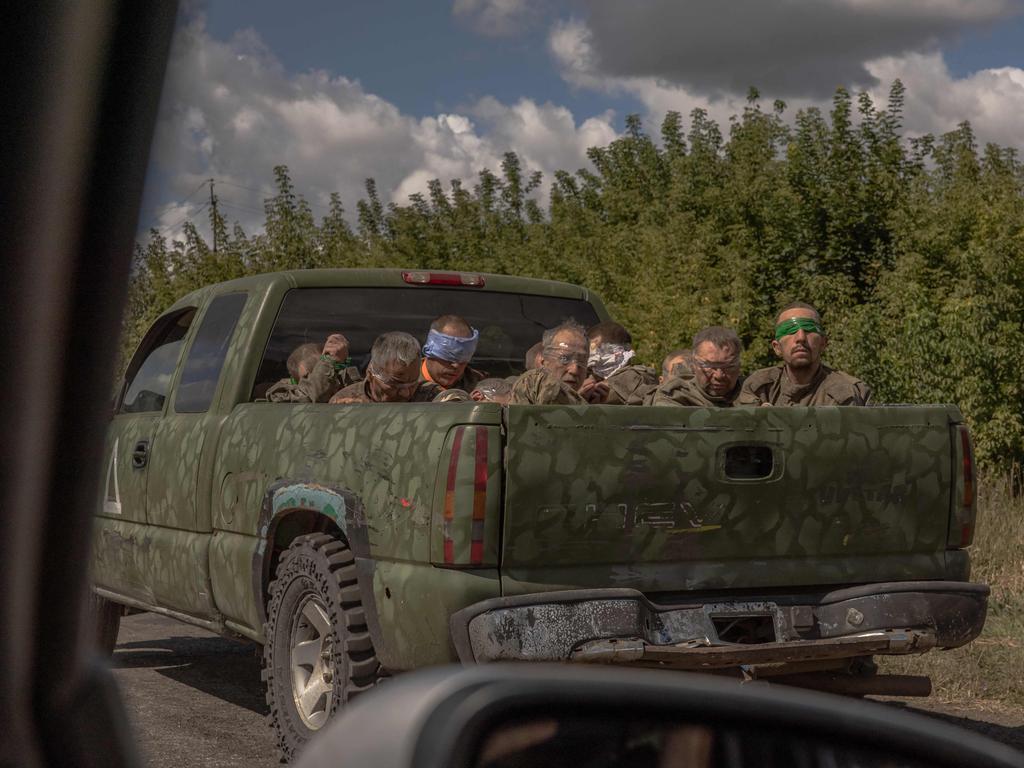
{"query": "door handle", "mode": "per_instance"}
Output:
(140, 454)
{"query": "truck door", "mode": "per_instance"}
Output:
(179, 489)
(121, 545)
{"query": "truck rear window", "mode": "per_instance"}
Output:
(509, 323)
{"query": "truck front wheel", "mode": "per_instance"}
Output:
(318, 652)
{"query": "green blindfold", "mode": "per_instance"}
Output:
(794, 324)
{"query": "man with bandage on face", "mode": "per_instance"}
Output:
(802, 379)
(611, 361)
(446, 355)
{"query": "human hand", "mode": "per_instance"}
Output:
(594, 391)
(336, 347)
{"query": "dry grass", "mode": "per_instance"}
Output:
(992, 667)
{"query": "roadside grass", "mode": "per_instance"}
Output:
(991, 669)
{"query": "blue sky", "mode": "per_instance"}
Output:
(416, 54)
(409, 91)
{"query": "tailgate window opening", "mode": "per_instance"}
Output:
(749, 462)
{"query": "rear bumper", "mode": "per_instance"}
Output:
(624, 626)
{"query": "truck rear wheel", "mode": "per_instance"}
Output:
(105, 617)
(318, 652)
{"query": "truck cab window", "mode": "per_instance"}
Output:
(206, 357)
(148, 378)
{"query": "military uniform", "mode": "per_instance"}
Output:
(631, 385)
(360, 393)
(771, 386)
(679, 391)
(541, 387)
(467, 382)
(318, 387)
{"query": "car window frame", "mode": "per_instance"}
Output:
(157, 329)
(171, 405)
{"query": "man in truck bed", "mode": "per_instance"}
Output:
(562, 375)
(802, 378)
(316, 382)
(392, 375)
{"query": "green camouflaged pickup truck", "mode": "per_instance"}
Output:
(355, 541)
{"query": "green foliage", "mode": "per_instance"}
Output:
(913, 249)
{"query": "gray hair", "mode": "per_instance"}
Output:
(570, 325)
(394, 346)
(531, 356)
(719, 336)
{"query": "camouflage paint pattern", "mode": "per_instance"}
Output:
(588, 495)
(646, 498)
(379, 473)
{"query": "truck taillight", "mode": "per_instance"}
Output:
(961, 529)
(968, 468)
(467, 279)
(468, 532)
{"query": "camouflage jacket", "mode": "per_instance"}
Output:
(468, 381)
(771, 386)
(631, 385)
(360, 393)
(322, 382)
(679, 391)
(539, 387)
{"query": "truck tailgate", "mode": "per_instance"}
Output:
(667, 499)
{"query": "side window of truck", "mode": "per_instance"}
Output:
(206, 357)
(148, 378)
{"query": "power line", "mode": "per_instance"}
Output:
(215, 200)
(263, 192)
(240, 186)
(188, 197)
(248, 209)
(166, 229)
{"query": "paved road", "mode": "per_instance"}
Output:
(196, 699)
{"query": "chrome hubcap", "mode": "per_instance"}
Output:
(312, 650)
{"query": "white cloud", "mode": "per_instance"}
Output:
(991, 99)
(496, 18)
(936, 101)
(793, 48)
(230, 111)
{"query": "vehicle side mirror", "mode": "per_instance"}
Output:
(529, 716)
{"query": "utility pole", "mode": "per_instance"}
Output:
(213, 215)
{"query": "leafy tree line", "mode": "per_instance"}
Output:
(913, 248)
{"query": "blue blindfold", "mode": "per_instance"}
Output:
(454, 349)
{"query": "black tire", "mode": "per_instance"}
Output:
(105, 618)
(315, 578)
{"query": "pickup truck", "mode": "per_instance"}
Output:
(357, 541)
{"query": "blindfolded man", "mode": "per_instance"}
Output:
(802, 378)
(562, 376)
(715, 382)
(392, 375)
(451, 344)
(611, 361)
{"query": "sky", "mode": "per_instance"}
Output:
(406, 91)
